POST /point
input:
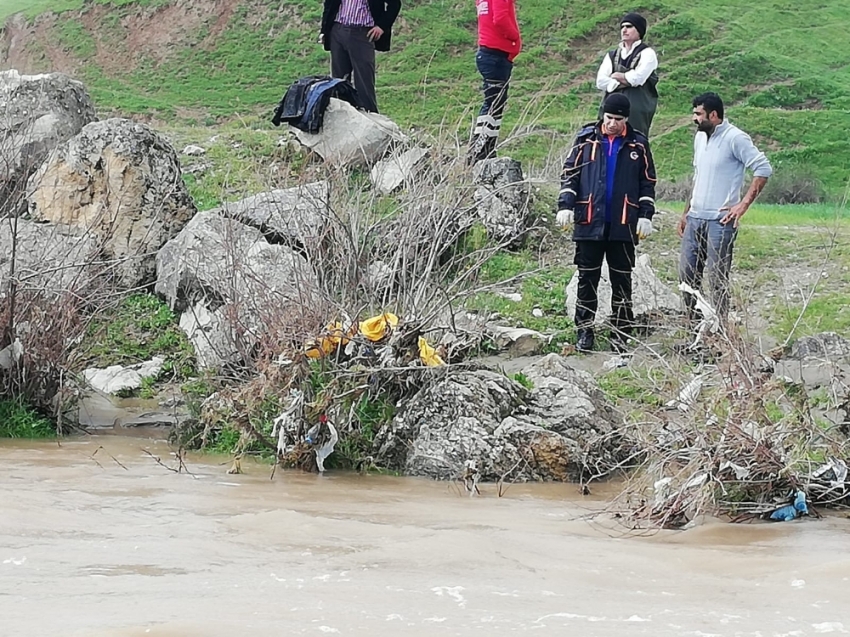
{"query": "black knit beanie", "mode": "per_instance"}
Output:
(637, 20)
(617, 104)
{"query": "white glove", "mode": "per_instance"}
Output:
(565, 218)
(644, 228)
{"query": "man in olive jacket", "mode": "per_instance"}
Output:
(352, 30)
(608, 196)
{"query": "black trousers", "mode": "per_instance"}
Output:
(620, 256)
(353, 59)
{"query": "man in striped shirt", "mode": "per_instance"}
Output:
(352, 30)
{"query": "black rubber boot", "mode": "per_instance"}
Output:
(585, 340)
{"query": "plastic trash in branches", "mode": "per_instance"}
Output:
(428, 354)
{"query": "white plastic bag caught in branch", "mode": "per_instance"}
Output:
(326, 449)
(687, 395)
(286, 424)
(710, 321)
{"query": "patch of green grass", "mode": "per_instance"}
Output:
(542, 289)
(227, 438)
(140, 327)
(639, 385)
(785, 96)
(224, 440)
(32, 8)
(822, 215)
(20, 421)
(242, 158)
(74, 37)
(828, 312)
(356, 444)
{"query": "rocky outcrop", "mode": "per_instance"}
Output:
(49, 259)
(826, 346)
(292, 215)
(649, 295)
(502, 199)
(560, 430)
(233, 285)
(820, 360)
(350, 137)
(118, 378)
(398, 169)
(119, 181)
(38, 113)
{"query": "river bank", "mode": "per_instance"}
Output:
(98, 539)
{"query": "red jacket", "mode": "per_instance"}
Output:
(497, 26)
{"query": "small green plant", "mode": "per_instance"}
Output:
(635, 386)
(523, 380)
(369, 415)
(20, 421)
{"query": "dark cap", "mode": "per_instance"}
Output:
(617, 104)
(637, 21)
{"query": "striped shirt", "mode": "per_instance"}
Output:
(355, 13)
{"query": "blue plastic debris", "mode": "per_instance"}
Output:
(792, 511)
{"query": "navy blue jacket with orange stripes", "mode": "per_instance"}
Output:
(583, 185)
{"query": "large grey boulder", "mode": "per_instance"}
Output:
(820, 360)
(49, 259)
(196, 264)
(502, 199)
(117, 378)
(350, 137)
(37, 112)
(213, 337)
(119, 181)
(398, 169)
(294, 215)
(560, 430)
(239, 287)
(825, 347)
(649, 294)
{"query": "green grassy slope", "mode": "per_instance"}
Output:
(781, 65)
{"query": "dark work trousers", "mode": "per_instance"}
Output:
(353, 59)
(495, 70)
(707, 246)
(620, 256)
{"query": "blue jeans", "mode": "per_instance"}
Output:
(707, 246)
(495, 69)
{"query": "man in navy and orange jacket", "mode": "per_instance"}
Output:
(608, 196)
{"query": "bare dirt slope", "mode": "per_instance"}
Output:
(122, 36)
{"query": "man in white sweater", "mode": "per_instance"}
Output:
(709, 225)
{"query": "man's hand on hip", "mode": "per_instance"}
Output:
(374, 33)
(565, 218)
(644, 228)
(733, 214)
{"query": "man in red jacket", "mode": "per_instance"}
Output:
(499, 43)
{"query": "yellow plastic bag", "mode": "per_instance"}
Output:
(428, 354)
(377, 327)
(327, 343)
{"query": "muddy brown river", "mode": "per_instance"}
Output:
(89, 546)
